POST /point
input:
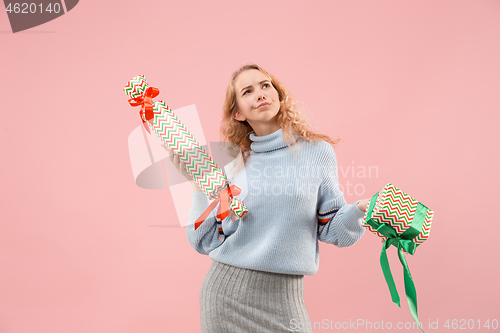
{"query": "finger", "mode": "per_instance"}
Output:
(186, 172)
(176, 160)
(170, 153)
(232, 215)
(181, 162)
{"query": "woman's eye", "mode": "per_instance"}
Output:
(246, 92)
(265, 85)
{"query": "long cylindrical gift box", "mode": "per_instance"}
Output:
(160, 119)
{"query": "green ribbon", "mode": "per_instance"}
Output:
(403, 241)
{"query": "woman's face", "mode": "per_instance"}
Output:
(257, 101)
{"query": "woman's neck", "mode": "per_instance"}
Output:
(265, 129)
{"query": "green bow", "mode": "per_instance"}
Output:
(403, 241)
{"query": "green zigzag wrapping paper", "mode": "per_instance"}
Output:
(405, 223)
(176, 136)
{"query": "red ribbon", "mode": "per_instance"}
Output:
(223, 210)
(146, 101)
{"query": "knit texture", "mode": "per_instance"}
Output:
(238, 300)
(294, 201)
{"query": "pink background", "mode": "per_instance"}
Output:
(411, 87)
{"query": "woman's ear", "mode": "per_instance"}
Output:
(238, 116)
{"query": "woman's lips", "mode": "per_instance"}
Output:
(264, 105)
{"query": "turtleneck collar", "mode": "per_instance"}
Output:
(266, 143)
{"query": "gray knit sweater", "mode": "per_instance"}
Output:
(293, 200)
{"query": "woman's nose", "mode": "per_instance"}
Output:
(261, 96)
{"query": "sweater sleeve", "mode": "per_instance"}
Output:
(339, 224)
(211, 233)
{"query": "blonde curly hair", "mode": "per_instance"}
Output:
(289, 117)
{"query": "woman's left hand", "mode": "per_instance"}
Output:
(232, 215)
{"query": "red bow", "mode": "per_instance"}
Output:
(146, 101)
(223, 210)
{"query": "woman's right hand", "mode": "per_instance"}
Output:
(179, 165)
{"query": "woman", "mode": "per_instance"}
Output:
(256, 280)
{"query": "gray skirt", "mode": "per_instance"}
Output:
(239, 300)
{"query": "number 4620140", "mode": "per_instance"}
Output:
(32, 8)
(463, 324)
